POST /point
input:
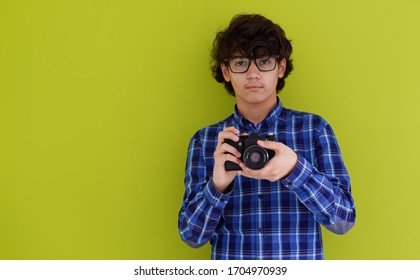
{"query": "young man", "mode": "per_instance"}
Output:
(274, 211)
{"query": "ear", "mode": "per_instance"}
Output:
(282, 67)
(225, 71)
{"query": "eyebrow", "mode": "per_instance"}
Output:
(250, 57)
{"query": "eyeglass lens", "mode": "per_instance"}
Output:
(241, 64)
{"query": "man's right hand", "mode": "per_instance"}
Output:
(225, 152)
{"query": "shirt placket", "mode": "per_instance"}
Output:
(260, 217)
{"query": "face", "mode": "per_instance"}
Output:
(254, 87)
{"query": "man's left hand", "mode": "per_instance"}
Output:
(281, 165)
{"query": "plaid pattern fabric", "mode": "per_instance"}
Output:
(259, 219)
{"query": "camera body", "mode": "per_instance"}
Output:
(254, 156)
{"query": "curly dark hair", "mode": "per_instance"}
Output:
(248, 34)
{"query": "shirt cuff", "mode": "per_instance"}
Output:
(300, 174)
(216, 198)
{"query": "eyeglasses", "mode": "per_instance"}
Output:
(240, 64)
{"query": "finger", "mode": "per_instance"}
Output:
(227, 148)
(246, 170)
(231, 129)
(244, 174)
(228, 135)
(256, 174)
(247, 174)
(229, 157)
(271, 145)
(223, 135)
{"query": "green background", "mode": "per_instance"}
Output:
(98, 101)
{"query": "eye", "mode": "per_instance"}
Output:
(240, 62)
(266, 60)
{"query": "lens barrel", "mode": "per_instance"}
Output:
(255, 157)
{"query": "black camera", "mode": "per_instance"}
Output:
(254, 156)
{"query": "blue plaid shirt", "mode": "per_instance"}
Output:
(259, 219)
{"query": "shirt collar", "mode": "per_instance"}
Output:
(265, 124)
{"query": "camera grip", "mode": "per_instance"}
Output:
(229, 165)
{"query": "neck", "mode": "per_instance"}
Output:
(255, 113)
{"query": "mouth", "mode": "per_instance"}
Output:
(253, 86)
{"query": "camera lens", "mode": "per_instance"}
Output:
(255, 157)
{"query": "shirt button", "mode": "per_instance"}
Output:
(222, 200)
(261, 230)
(260, 196)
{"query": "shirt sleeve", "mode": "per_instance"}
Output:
(202, 205)
(324, 187)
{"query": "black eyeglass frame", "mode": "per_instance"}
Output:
(227, 62)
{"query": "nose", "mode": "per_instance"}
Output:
(253, 72)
